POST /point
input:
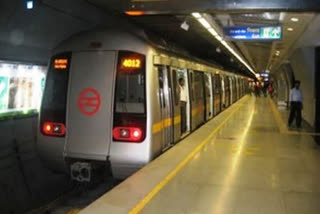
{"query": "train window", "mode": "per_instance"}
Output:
(161, 88)
(54, 102)
(198, 84)
(130, 83)
(176, 89)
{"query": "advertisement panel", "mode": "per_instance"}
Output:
(21, 88)
(4, 92)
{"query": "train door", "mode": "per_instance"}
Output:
(208, 95)
(240, 88)
(200, 97)
(193, 103)
(227, 92)
(90, 105)
(231, 86)
(175, 96)
(166, 107)
(217, 94)
(234, 90)
(223, 91)
(184, 101)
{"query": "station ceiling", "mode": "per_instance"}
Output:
(52, 21)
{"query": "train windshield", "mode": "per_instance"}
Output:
(53, 106)
(130, 83)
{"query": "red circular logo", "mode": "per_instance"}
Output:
(89, 101)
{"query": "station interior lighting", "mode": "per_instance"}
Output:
(294, 19)
(218, 37)
(29, 4)
(290, 29)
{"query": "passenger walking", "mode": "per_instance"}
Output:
(183, 105)
(296, 105)
(270, 89)
(264, 89)
(257, 89)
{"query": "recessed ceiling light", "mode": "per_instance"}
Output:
(294, 19)
(290, 29)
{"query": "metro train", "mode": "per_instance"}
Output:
(112, 101)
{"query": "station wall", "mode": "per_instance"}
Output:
(303, 64)
(25, 183)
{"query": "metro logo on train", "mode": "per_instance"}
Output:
(89, 101)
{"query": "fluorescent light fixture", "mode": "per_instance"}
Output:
(219, 38)
(29, 4)
(204, 22)
(225, 44)
(267, 15)
(294, 19)
(290, 29)
(213, 32)
(196, 15)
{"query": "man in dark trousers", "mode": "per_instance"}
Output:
(183, 105)
(296, 100)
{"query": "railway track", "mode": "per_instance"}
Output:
(78, 197)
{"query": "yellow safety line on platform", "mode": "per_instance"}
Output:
(172, 174)
(282, 125)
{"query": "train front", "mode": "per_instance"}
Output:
(93, 113)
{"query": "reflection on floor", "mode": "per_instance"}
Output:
(249, 167)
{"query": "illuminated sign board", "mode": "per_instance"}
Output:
(60, 64)
(131, 63)
(254, 33)
(21, 88)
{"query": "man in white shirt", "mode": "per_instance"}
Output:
(296, 100)
(183, 105)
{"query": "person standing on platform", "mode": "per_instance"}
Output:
(296, 105)
(257, 89)
(183, 105)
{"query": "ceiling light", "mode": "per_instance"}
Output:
(267, 15)
(225, 44)
(294, 19)
(184, 26)
(204, 23)
(219, 38)
(196, 15)
(213, 32)
(290, 29)
(209, 28)
(29, 4)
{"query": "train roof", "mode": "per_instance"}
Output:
(120, 38)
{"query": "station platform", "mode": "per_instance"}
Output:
(241, 162)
